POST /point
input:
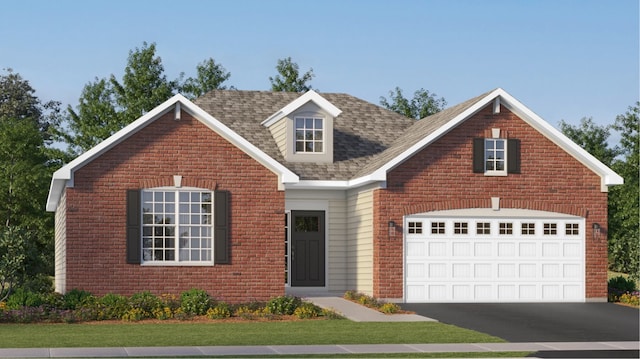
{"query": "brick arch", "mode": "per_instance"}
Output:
(187, 181)
(504, 203)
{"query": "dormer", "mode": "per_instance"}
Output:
(303, 129)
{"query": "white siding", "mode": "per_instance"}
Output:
(61, 244)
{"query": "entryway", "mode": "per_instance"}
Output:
(307, 248)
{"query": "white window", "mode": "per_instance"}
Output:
(495, 156)
(177, 226)
(461, 228)
(415, 227)
(437, 227)
(572, 229)
(309, 134)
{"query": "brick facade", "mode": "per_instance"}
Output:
(440, 177)
(96, 209)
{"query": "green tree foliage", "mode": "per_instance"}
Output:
(108, 105)
(624, 209)
(26, 166)
(422, 104)
(16, 253)
(210, 76)
(592, 138)
(289, 79)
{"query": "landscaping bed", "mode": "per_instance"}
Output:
(193, 305)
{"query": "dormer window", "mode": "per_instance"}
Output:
(309, 134)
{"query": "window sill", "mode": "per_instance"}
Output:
(495, 174)
(177, 264)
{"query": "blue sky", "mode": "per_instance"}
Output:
(564, 59)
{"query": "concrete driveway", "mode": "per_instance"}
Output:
(540, 322)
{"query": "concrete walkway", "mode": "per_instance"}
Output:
(310, 349)
(360, 313)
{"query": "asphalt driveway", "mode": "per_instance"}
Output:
(540, 322)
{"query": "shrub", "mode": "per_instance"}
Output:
(285, 305)
(630, 298)
(622, 284)
(220, 311)
(23, 298)
(244, 312)
(330, 314)
(306, 310)
(112, 306)
(145, 302)
(195, 301)
(389, 308)
(163, 313)
(75, 298)
(134, 315)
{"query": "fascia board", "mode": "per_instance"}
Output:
(310, 95)
(608, 176)
(334, 185)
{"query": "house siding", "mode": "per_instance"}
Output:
(279, 133)
(360, 246)
(150, 158)
(60, 244)
(441, 177)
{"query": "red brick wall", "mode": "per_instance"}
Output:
(440, 177)
(96, 208)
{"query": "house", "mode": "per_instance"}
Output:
(250, 195)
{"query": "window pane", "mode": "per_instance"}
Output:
(308, 123)
(308, 147)
(318, 135)
(147, 196)
(299, 122)
(195, 197)
(318, 123)
(206, 197)
(169, 197)
(318, 147)
(169, 255)
(299, 146)
(499, 144)
(184, 197)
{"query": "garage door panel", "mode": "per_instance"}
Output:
(495, 260)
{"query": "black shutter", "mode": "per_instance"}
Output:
(133, 226)
(513, 156)
(478, 155)
(221, 227)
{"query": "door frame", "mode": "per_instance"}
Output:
(317, 258)
(309, 205)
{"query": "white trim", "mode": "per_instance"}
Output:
(609, 177)
(299, 102)
(64, 176)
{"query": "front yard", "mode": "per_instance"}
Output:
(304, 332)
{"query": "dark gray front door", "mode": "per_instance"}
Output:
(307, 249)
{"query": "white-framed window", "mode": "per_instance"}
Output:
(528, 229)
(506, 228)
(309, 134)
(437, 228)
(572, 229)
(495, 156)
(483, 228)
(550, 229)
(177, 226)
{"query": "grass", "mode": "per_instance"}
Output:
(403, 355)
(233, 333)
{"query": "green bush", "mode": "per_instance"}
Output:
(622, 284)
(220, 311)
(195, 301)
(284, 305)
(75, 298)
(24, 298)
(112, 306)
(145, 302)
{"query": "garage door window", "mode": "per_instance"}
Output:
(506, 228)
(415, 228)
(528, 229)
(461, 228)
(572, 229)
(483, 228)
(550, 229)
(437, 227)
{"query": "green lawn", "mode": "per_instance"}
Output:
(242, 333)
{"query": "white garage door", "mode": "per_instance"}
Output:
(479, 255)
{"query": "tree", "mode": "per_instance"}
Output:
(289, 79)
(210, 76)
(592, 138)
(15, 250)
(624, 209)
(18, 100)
(107, 105)
(422, 104)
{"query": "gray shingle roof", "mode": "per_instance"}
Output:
(366, 136)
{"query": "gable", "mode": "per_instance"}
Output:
(64, 177)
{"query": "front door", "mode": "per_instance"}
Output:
(307, 249)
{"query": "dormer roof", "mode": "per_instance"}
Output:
(294, 105)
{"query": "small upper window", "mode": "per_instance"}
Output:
(415, 227)
(309, 134)
(437, 227)
(495, 155)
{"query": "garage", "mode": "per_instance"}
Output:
(485, 255)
